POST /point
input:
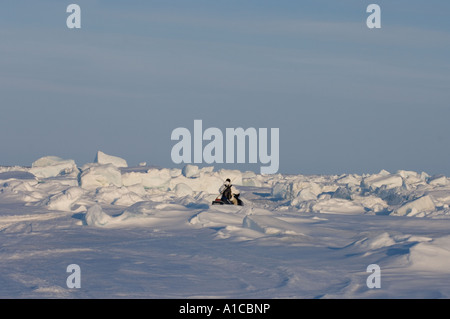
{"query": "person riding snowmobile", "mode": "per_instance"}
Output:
(230, 194)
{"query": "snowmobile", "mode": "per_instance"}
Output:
(226, 195)
(222, 200)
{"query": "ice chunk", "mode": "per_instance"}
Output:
(64, 201)
(182, 189)
(304, 195)
(250, 178)
(349, 180)
(394, 196)
(416, 207)
(411, 177)
(207, 169)
(96, 217)
(157, 178)
(103, 158)
(280, 190)
(127, 199)
(292, 190)
(175, 172)
(193, 171)
(96, 175)
(384, 172)
(132, 178)
(118, 195)
(23, 190)
(51, 166)
(378, 180)
(438, 180)
(190, 171)
(137, 189)
(408, 174)
(343, 192)
(372, 203)
(206, 182)
(307, 194)
(153, 178)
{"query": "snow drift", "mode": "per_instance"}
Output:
(295, 236)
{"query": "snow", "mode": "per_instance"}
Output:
(338, 206)
(270, 225)
(431, 257)
(147, 232)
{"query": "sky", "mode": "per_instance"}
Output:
(346, 98)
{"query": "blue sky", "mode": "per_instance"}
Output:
(346, 99)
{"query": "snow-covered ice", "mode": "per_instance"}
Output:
(147, 232)
(102, 158)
